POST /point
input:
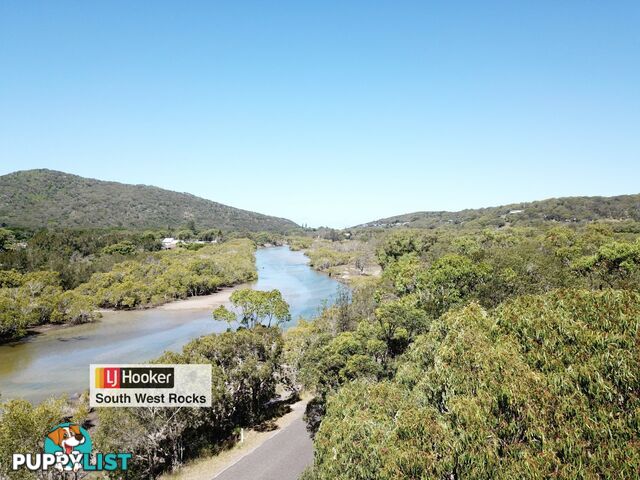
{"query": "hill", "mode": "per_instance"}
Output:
(42, 198)
(567, 209)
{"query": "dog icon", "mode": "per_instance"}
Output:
(67, 438)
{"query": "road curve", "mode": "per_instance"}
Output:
(282, 457)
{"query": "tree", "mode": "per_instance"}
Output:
(210, 235)
(256, 307)
(185, 234)
(402, 242)
(245, 370)
(543, 386)
(123, 248)
(23, 428)
(333, 235)
(222, 314)
(344, 320)
(615, 264)
(451, 280)
(405, 274)
(400, 321)
(6, 238)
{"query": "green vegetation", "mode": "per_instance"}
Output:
(528, 392)
(23, 428)
(158, 278)
(74, 254)
(6, 239)
(37, 298)
(143, 279)
(299, 243)
(342, 258)
(324, 258)
(44, 198)
(255, 307)
(462, 351)
(613, 264)
(505, 353)
(566, 210)
(246, 367)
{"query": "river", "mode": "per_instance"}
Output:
(56, 362)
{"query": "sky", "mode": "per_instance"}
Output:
(328, 113)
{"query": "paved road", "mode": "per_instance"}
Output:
(282, 457)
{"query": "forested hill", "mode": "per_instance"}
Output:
(566, 210)
(40, 198)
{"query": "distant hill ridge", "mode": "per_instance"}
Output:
(48, 198)
(566, 209)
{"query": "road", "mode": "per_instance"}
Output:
(282, 457)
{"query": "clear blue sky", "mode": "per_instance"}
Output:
(328, 113)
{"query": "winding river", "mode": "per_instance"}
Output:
(56, 361)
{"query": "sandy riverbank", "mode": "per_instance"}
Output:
(205, 301)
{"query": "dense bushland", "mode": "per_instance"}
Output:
(36, 298)
(343, 258)
(157, 278)
(546, 386)
(74, 254)
(554, 210)
(41, 198)
(141, 280)
(488, 354)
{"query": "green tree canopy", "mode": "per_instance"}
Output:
(123, 248)
(256, 307)
(544, 386)
(615, 264)
(210, 235)
(223, 314)
(6, 238)
(185, 234)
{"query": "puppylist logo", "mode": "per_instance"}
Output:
(68, 447)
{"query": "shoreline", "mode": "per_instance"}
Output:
(201, 302)
(345, 274)
(197, 302)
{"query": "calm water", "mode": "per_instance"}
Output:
(56, 362)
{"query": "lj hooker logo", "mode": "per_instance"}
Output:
(134, 377)
(136, 385)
